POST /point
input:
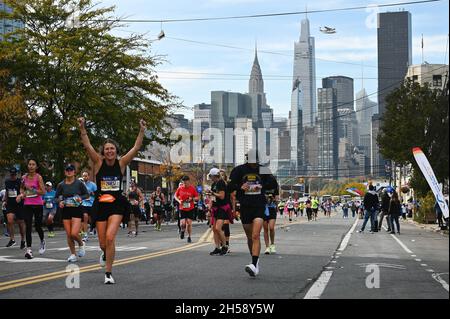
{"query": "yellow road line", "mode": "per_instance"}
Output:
(59, 274)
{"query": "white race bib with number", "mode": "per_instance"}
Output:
(110, 184)
(12, 193)
(49, 205)
(186, 204)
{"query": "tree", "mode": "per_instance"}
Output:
(65, 71)
(417, 116)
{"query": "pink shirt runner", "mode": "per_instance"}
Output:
(31, 196)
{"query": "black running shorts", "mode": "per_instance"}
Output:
(249, 213)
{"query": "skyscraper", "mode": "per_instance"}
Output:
(365, 109)
(327, 132)
(344, 88)
(394, 58)
(303, 98)
(394, 52)
(7, 26)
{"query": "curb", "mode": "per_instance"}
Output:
(428, 228)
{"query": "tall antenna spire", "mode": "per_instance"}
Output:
(362, 74)
(306, 10)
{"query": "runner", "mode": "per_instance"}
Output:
(315, 207)
(296, 207)
(50, 205)
(135, 198)
(290, 207)
(302, 208)
(281, 205)
(201, 208)
(250, 185)
(309, 210)
(230, 220)
(269, 223)
(185, 196)
(158, 201)
(86, 206)
(109, 204)
(4, 220)
(220, 211)
(70, 194)
(31, 190)
(14, 208)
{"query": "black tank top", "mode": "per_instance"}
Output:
(157, 200)
(133, 195)
(109, 179)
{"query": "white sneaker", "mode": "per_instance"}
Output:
(272, 249)
(102, 260)
(267, 251)
(29, 254)
(72, 259)
(110, 280)
(42, 248)
(252, 270)
(82, 250)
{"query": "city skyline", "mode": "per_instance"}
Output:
(356, 29)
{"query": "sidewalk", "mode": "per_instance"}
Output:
(428, 227)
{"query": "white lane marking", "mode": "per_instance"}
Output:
(97, 248)
(382, 265)
(319, 286)
(347, 237)
(34, 260)
(418, 259)
(402, 244)
(413, 255)
(438, 278)
(424, 265)
(430, 270)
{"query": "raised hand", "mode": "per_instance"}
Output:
(81, 122)
(143, 125)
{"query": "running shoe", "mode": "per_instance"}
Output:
(267, 251)
(216, 251)
(22, 244)
(109, 280)
(29, 254)
(252, 270)
(85, 237)
(272, 249)
(51, 234)
(42, 248)
(72, 259)
(82, 250)
(102, 260)
(223, 251)
(189, 240)
(11, 243)
(182, 235)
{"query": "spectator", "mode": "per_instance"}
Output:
(371, 204)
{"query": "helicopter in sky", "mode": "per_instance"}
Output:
(327, 30)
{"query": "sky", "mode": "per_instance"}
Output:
(192, 70)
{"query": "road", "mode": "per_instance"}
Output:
(324, 259)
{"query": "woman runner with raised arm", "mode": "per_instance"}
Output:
(109, 205)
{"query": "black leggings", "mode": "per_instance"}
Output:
(226, 229)
(29, 211)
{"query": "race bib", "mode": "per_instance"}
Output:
(157, 203)
(110, 184)
(30, 193)
(186, 204)
(49, 205)
(12, 193)
(134, 202)
(72, 202)
(254, 189)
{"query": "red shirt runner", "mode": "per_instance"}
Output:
(183, 193)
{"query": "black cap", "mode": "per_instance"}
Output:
(185, 178)
(13, 170)
(70, 167)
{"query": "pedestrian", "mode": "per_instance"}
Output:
(439, 215)
(135, 198)
(315, 207)
(353, 209)
(158, 201)
(385, 202)
(395, 209)
(371, 204)
(404, 211)
(31, 191)
(70, 194)
(250, 184)
(345, 210)
(270, 219)
(109, 205)
(309, 210)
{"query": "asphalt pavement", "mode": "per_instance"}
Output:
(323, 259)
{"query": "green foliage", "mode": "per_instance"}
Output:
(65, 72)
(426, 212)
(417, 116)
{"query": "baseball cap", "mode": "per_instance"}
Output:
(70, 167)
(13, 170)
(214, 172)
(49, 184)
